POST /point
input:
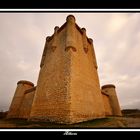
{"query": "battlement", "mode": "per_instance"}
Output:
(74, 39)
(69, 18)
(25, 82)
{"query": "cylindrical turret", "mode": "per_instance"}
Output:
(26, 105)
(93, 53)
(22, 86)
(110, 90)
(70, 33)
(44, 52)
(54, 42)
(84, 40)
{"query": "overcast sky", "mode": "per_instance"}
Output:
(116, 39)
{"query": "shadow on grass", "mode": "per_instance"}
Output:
(21, 123)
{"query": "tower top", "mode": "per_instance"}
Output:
(25, 82)
(56, 28)
(108, 86)
(70, 18)
(83, 29)
(91, 40)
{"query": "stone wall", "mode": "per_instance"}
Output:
(51, 101)
(111, 92)
(86, 98)
(107, 106)
(22, 86)
(68, 89)
(26, 105)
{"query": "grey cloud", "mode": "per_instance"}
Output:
(22, 39)
(119, 63)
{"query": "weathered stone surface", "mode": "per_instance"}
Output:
(86, 99)
(51, 101)
(26, 104)
(22, 86)
(107, 105)
(68, 89)
(111, 92)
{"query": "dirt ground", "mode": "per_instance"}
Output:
(110, 122)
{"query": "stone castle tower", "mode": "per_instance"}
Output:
(110, 91)
(18, 98)
(68, 89)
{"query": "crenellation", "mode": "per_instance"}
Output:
(56, 29)
(70, 19)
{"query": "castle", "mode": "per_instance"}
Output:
(68, 89)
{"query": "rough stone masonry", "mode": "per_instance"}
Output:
(68, 89)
